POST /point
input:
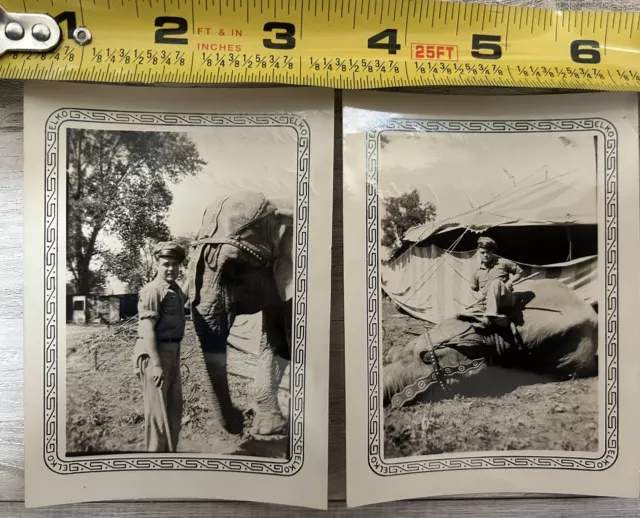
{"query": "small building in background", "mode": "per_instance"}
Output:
(101, 309)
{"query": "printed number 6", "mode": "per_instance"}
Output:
(287, 40)
(584, 51)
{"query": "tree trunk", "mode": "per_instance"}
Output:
(84, 261)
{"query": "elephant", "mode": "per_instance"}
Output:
(240, 264)
(556, 336)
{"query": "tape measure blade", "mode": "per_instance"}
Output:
(337, 43)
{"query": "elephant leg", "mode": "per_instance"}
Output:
(213, 317)
(269, 371)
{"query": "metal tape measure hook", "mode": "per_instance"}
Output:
(27, 32)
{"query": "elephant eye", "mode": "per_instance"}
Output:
(426, 358)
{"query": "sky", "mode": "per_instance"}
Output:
(459, 172)
(262, 159)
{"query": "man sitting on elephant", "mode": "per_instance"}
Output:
(493, 281)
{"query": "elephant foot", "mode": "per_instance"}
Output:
(269, 423)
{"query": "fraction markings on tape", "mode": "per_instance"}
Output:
(334, 43)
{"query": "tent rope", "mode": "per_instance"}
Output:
(436, 265)
(513, 189)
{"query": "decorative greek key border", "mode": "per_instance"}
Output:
(56, 122)
(377, 463)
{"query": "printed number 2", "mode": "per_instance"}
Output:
(392, 47)
(161, 34)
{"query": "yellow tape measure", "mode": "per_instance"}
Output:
(333, 43)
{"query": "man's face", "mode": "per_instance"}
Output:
(168, 268)
(486, 255)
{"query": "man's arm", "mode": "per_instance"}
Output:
(515, 274)
(148, 311)
(475, 287)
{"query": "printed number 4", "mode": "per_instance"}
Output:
(375, 42)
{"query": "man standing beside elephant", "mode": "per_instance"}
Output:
(492, 283)
(156, 356)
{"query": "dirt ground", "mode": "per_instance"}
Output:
(527, 413)
(105, 408)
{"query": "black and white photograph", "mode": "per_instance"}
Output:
(490, 303)
(179, 258)
(181, 330)
(489, 292)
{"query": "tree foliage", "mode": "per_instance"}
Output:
(136, 267)
(118, 186)
(401, 213)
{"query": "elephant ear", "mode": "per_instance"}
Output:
(283, 240)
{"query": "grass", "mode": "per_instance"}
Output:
(105, 406)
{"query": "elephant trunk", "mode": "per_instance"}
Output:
(224, 413)
(213, 314)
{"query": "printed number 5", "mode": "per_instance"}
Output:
(485, 42)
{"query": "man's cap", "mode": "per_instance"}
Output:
(169, 249)
(487, 242)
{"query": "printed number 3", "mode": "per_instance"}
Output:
(282, 40)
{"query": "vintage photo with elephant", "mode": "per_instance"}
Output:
(179, 257)
(179, 296)
(489, 291)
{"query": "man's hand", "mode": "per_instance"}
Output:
(157, 375)
(512, 280)
(478, 296)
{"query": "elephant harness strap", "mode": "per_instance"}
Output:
(235, 241)
(213, 232)
(260, 251)
(439, 375)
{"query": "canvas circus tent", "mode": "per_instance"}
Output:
(548, 227)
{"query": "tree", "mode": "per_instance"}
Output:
(401, 213)
(136, 267)
(118, 185)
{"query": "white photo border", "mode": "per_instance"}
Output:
(57, 463)
(375, 431)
